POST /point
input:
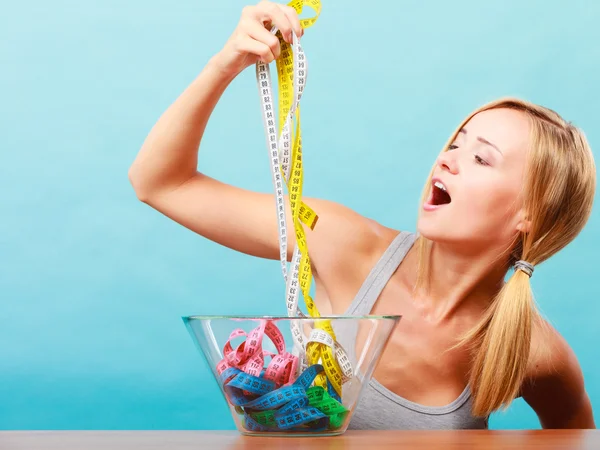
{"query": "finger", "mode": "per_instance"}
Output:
(258, 48)
(271, 13)
(294, 19)
(259, 33)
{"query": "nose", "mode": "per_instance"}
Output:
(447, 161)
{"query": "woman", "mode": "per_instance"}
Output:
(514, 184)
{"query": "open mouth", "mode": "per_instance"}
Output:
(439, 194)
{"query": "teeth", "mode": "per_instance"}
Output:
(439, 185)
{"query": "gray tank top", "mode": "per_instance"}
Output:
(380, 408)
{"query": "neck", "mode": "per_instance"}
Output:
(461, 283)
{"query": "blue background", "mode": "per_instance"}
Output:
(93, 283)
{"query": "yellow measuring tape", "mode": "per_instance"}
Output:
(317, 351)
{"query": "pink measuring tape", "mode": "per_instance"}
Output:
(274, 398)
(249, 356)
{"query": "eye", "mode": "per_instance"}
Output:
(480, 160)
(452, 147)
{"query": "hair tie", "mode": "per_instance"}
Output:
(524, 266)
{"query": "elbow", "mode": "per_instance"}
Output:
(139, 184)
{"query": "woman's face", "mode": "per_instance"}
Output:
(482, 173)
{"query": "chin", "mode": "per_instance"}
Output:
(427, 226)
(462, 238)
(436, 231)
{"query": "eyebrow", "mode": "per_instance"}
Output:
(482, 140)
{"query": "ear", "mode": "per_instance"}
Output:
(523, 225)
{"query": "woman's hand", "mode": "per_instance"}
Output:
(252, 41)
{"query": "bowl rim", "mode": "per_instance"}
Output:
(258, 317)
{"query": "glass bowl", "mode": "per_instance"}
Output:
(291, 376)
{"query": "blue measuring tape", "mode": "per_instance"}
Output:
(268, 409)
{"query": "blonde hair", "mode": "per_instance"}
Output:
(558, 193)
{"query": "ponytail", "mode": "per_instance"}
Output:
(502, 342)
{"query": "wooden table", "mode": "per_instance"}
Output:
(226, 440)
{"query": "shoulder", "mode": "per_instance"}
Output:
(360, 249)
(342, 232)
(550, 353)
(554, 385)
(343, 257)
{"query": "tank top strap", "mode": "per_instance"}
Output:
(381, 273)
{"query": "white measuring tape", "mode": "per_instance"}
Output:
(281, 170)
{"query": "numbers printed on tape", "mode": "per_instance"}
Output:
(301, 389)
(286, 169)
